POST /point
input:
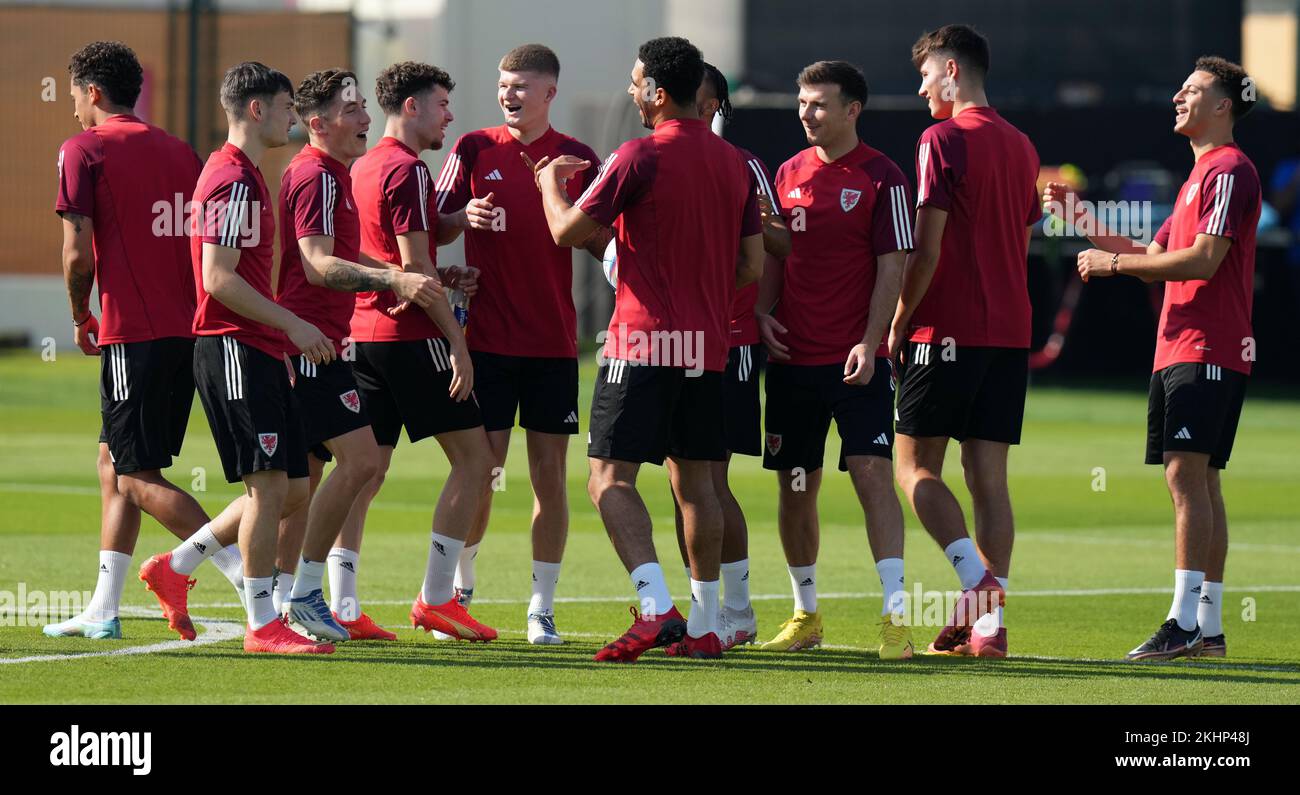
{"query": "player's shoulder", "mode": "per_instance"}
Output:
(878, 165)
(572, 146)
(1231, 160)
(477, 140)
(633, 152)
(84, 144)
(796, 162)
(941, 132)
(224, 171)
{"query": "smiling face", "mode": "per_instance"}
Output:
(342, 126)
(825, 116)
(937, 88)
(1198, 103)
(525, 98)
(432, 115)
(644, 95)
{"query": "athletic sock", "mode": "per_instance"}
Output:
(893, 594)
(803, 579)
(1209, 610)
(704, 608)
(188, 554)
(440, 570)
(465, 568)
(281, 588)
(308, 578)
(231, 564)
(342, 563)
(545, 577)
(1187, 595)
(260, 608)
(735, 581)
(103, 605)
(652, 589)
(965, 559)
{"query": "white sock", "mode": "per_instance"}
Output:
(804, 581)
(894, 598)
(704, 608)
(231, 564)
(1209, 610)
(735, 578)
(187, 555)
(1187, 595)
(652, 589)
(545, 577)
(965, 558)
(1005, 582)
(281, 588)
(308, 579)
(465, 568)
(440, 570)
(342, 563)
(113, 567)
(261, 607)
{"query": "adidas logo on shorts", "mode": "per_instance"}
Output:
(1183, 433)
(572, 419)
(882, 439)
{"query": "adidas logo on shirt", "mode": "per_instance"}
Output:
(572, 419)
(1183, 433)
(882, 439)
(794, 194)
(494, 175)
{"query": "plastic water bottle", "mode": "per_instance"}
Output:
(459, 305)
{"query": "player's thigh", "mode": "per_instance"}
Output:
(1200, 402)
(798, 417)
(331, 403)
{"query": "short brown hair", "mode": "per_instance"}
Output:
(318, 91)
(852, 83)
(406, 79)
(959, 42)
(248, 80)
(531, 58)
(1232, 81)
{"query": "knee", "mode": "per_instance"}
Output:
(872, 475)
(361, 469)
(295, 492)
(549, 482)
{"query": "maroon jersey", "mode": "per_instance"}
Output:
(744, 328)
(524, 305)
(133, 181)
(843, 215)
(1208, 320)
(316, 199)
(392, 189)
(983, 172)
(232, 208)
(682, 199)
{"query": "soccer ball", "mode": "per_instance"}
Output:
(610, 264)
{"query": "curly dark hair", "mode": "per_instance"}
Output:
(248, 80)
(1232, 81)
(852, 83)
(406, 79)
(675, 65)
(717, 83)
(318, 91)
(959, 42)
(112, 67)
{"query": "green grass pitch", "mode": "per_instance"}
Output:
(1090, 579)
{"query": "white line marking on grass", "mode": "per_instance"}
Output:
(215, 631)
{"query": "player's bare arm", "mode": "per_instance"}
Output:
(1198, 261)
(223, 283)
(414, 248)
(323, 269)
(749, 265)
(79, 276)
(918, 271)
(861, 363)
(769, 294)
(776, 235)
(1057, 196)
(598, 242)
(569, 225)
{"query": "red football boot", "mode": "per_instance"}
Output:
(173, 592)
(643, 635)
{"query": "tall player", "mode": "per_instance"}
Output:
(823, 316)
(111, 177)
(413, 367)
(742, 420)
(1205, 252)
(523, 328)
(239, 362)
(688, 231)
(964, 317)
(320, 274)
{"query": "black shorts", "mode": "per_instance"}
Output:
(742, 420)
(254, 414)
(543, 390)
(963, 393)
(802, 400)
(146, 390)
(331, 404)
(1194, 408)
(405, 384)
(642, 414)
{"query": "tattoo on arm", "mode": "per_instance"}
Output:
(348, 278)
(75, 220)
(79, 287)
